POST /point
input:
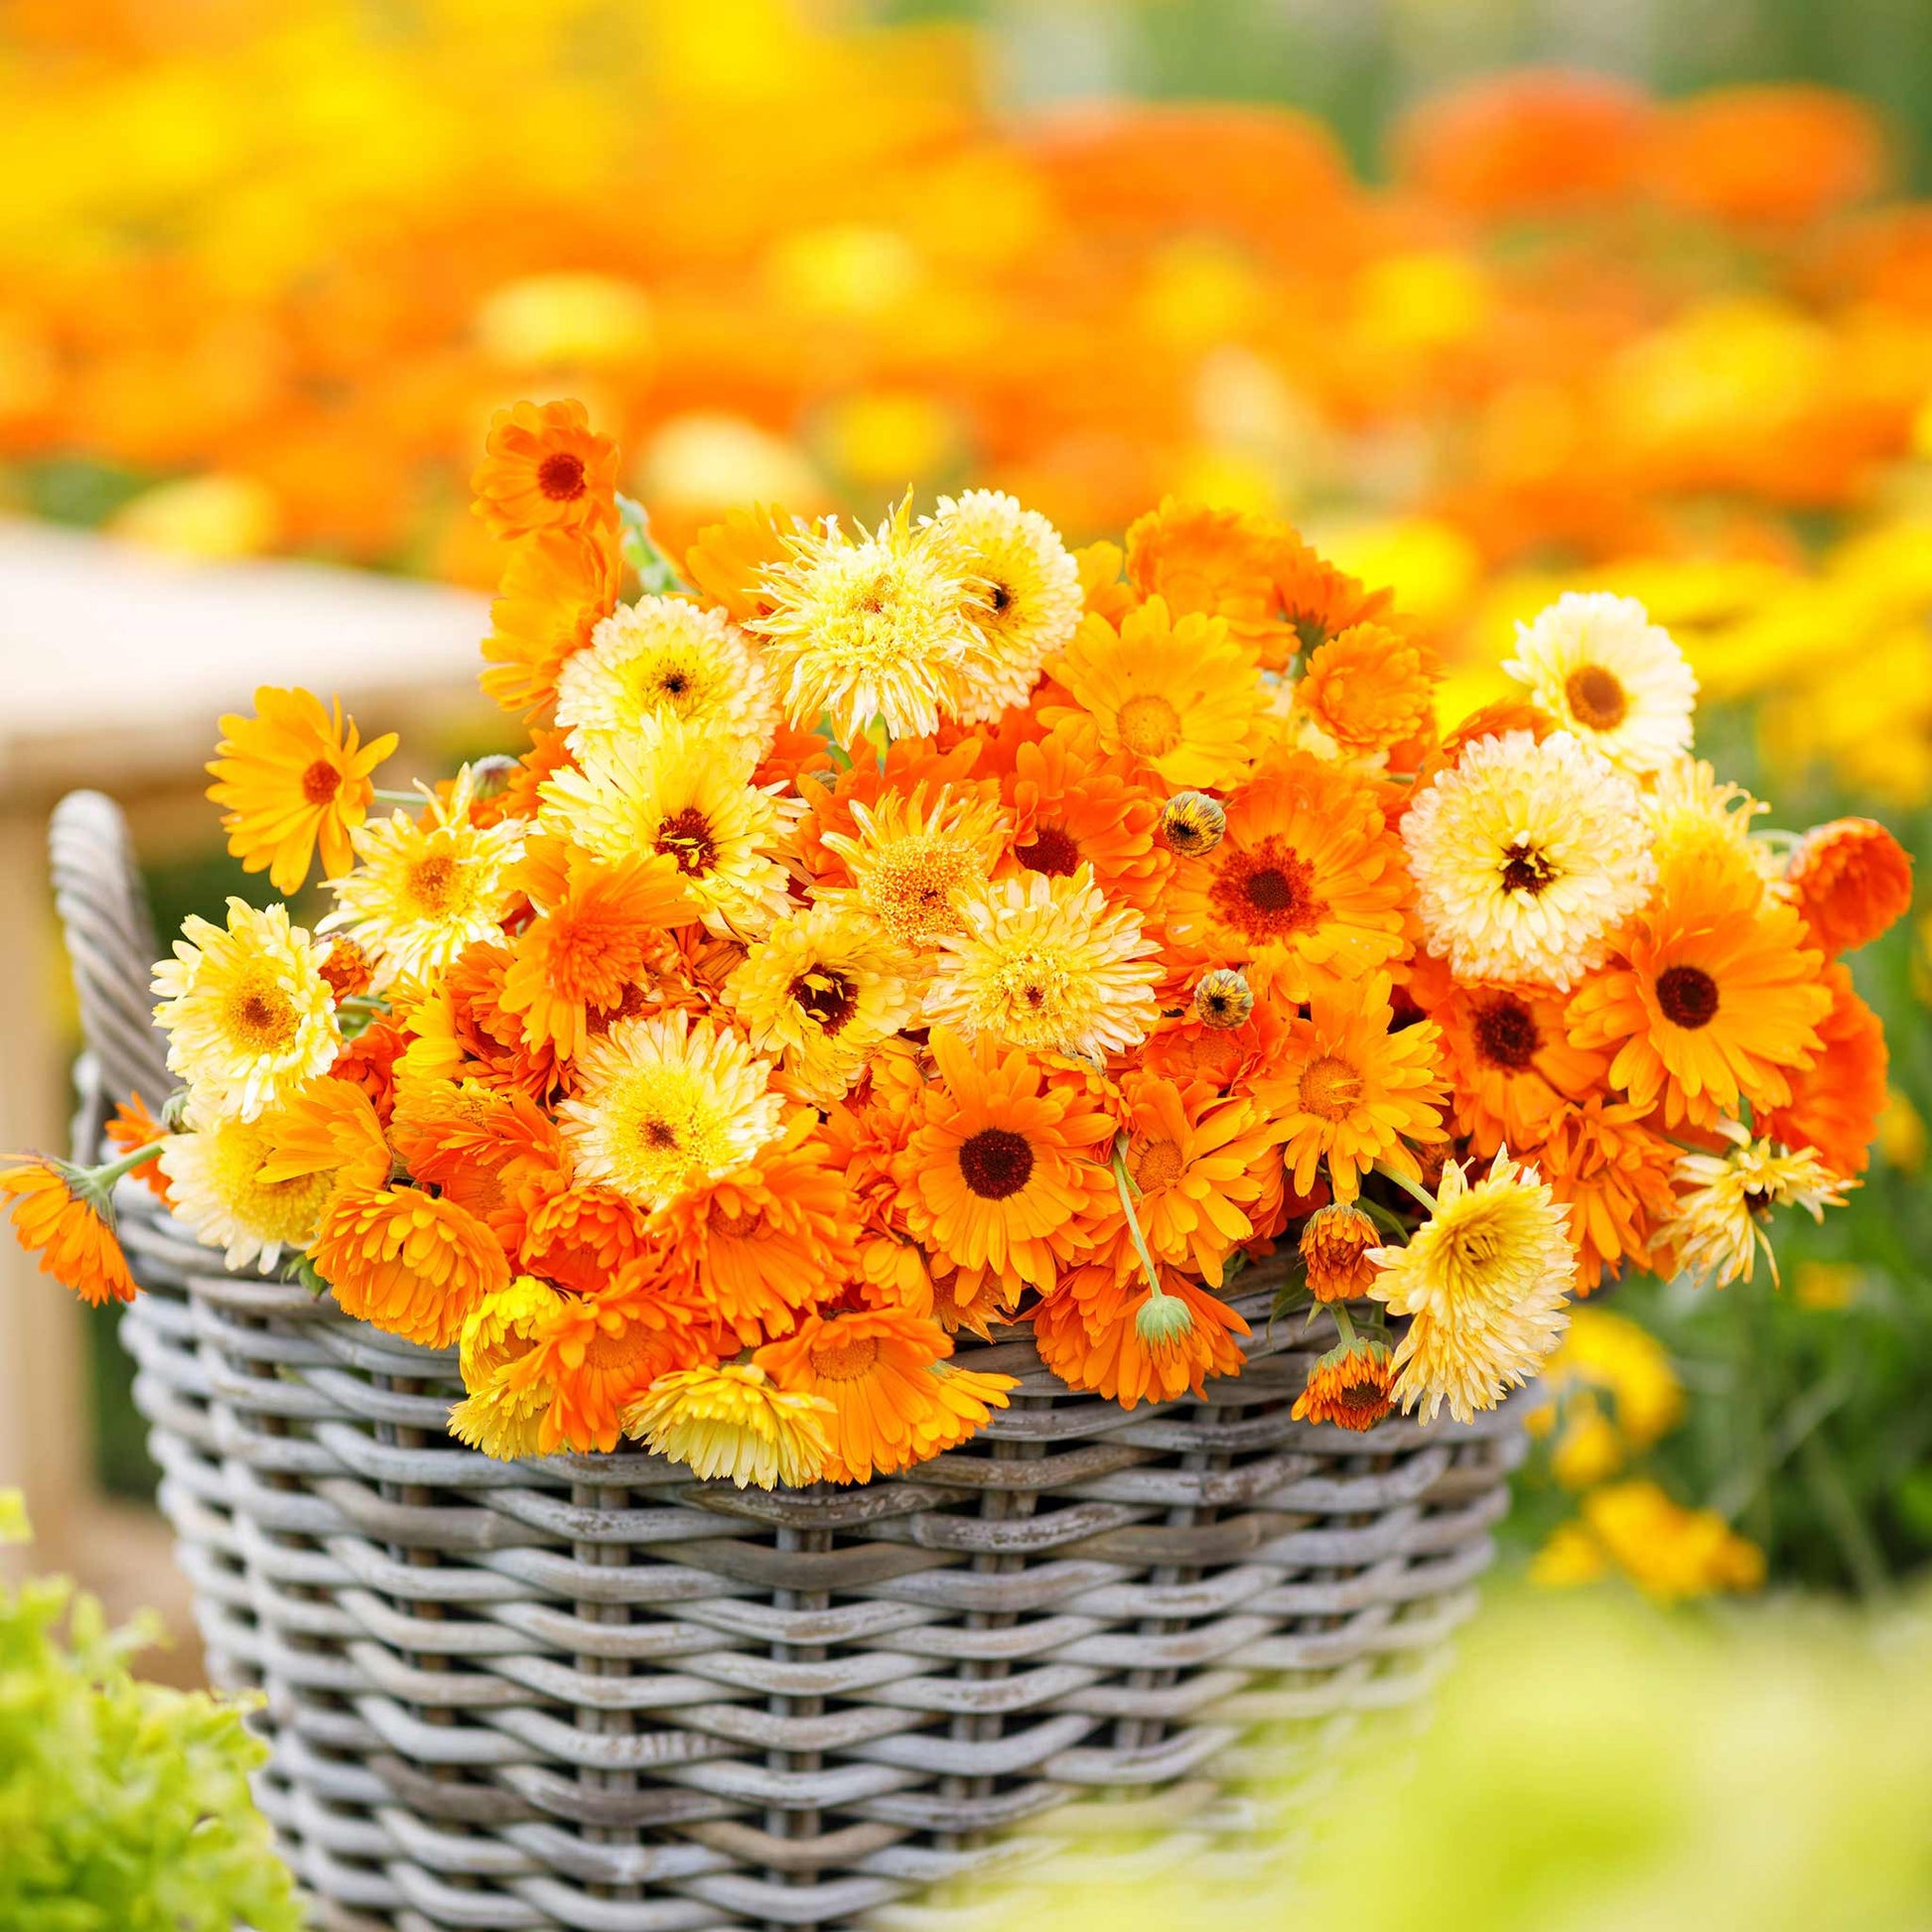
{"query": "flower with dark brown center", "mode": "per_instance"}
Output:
(827, 999)
(560, 475)
(321, 783)
(686, 836)
(1687, 995)
(1051, 850)
(1526, 870)
(1266, 892)
(1507, 1034)
(1597, 697)
(996, 1163)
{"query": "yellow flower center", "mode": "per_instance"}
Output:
(1158, 1166)
(1149, 726)
(1330, 1087)
(261, 1016)
(909, 887)
(844, 1361)
(1595, 697)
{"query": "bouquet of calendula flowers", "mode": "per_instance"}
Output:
(896, 932)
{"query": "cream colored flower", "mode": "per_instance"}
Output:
(1725, 1199)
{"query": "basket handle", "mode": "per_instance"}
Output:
(103, 911)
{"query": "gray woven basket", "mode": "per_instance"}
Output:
(594, 1693)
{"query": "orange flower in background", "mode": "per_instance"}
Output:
(409, 1262)
(290, 778)
(1719, 1002)
(1771, 156)
(1219, 563)
(557, 587)
(1320, 601)
(897, 1400)
(1089, 1336)
(59, 1220)
(1613, 1172)
(1369, 688)
(1851, 881)
(131, 1127)
(1510, 1064)
(728, 561)
(1838, 1101)
(545, 469)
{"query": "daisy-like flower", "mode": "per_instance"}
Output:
(734, 1422)
(422, 893)
(290, 778)
(248, 1017)
(1349, 1092)
(1599, 667)
(599, 926)
(1725, 1200)
(663, 658)
(1318, 601)
(1090, 1333)
(1072, 805)
(875, 626)
(1022, 598)
(1006, 1171)
(219, 1184)
(914, 858)
(557, 587)
(820, 992)
(1217, 563)
(1307, 876)
(1336, 1246)
(689, 795)
(1613, 1171)
(1485, 1282)
(1838, 1101)
(496, 1416)
(70, 1223)
(413, 1263)
(1179, 697)
(1717, 1002)
(1352, 1386)
(1044, 962)
(1369, 689)
(1691, 812)
(1851, 879)
(1526, 858)
(664, 1105)
(1510, 1062)
(544, 469)
(566, 1233)
(1197, 1165)
(895, 1400)
(728, 560)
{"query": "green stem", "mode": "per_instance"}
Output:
(1126, 1186)
(1344, 1327)
(658, 576)
(105, 1177)
(412, 799)
(1414, 1190)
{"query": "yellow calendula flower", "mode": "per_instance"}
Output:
(663, 658)
(1605, 1358)
(1725, 1200)
(217, 1185)
(423, 894)
(291, 779)
(501, 1415)
(821, 992)
(1485, 1281)
(1689, 811)
(1044, 962)
(735, 1422)
(1669, 1552)
(868, 626)
(688, 795)
(663, 1105)
(914, 858)
(248, 1015)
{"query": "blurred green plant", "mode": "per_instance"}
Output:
(124, 1806)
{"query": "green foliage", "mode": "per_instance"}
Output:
(124, 1806)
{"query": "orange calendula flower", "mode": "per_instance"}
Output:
(61, 1214)
(1614, 1173)
(897, 1400)
(573, 1236)
(1838, 1101)
(1089, 1335)
(1320, 601)
(1351, 1386)
(131, 1127)
(1072, 805)
(1369, 688)
(1307, 876)
(1006, 1171)
(1219, 563)
(1351, 1093)
(1510, 1062)
(408, 1261)
(1851, 879)
(545, 469)
(1718, 1002)
(290, 778)
(729, 561)
(329, 1128)
(557, 587)
(1335, 1245)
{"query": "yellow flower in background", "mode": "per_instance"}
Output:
(290, 778)
(735, 1422)
(1669, 1552)
(1605, 1357)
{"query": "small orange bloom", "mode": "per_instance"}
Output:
(1088, 1335)
(1071, 806)
(1766, 156)
(55, 1219)
(1837, 1102)
(1369, 688)
(369, 1062)
(411, 1263)
(1320, 601)
(575, 1236)
(545, 469)
(331, 1127)
(1613, 1172)
(558, 585)
(133, 1126)
(1351, 1386)
(345, 968)
(1852, 879)
(1510, 1062)
(1221, 563)
(1334, 1251)
(728, 560)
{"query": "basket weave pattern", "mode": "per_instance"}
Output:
(596, 1693)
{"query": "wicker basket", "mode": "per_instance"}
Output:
(594, 1693)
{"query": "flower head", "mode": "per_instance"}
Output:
(1527, 857)
(70, 1226)
(1351, 1386)
(1485, 1282)
(1837, 1102)
(557, 587)
(1090, 1334)
(1369, 689)
(1510, 1062)
(734, 1422)
(1725, 1199)
(497, 1416)
(913, 860)
(1044, 962)
(665, 1104)
(248, 1015)
(1217, 563)
(1335, 1247)
(290, 778)
(1612, 1168)
(544, 469)
(1851, 879)
(1074, 805)
(1599, 667)
(413, 1263)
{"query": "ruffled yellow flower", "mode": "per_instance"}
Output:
(821, 992)
(735, 1422)
(688, 795)
(664, 1105)
(1725, 1199)
(1485, 1282)
(500, 1414)
(248, 1017)
(217, 1187)
(914, 858)
(1689, 812)
(422, 893)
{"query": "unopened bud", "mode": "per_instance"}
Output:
(1193, 823)
(490, 776)
(1162, 1318)
(1334, 1249)
(1223, 999)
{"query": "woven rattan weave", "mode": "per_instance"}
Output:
(593, 1693)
